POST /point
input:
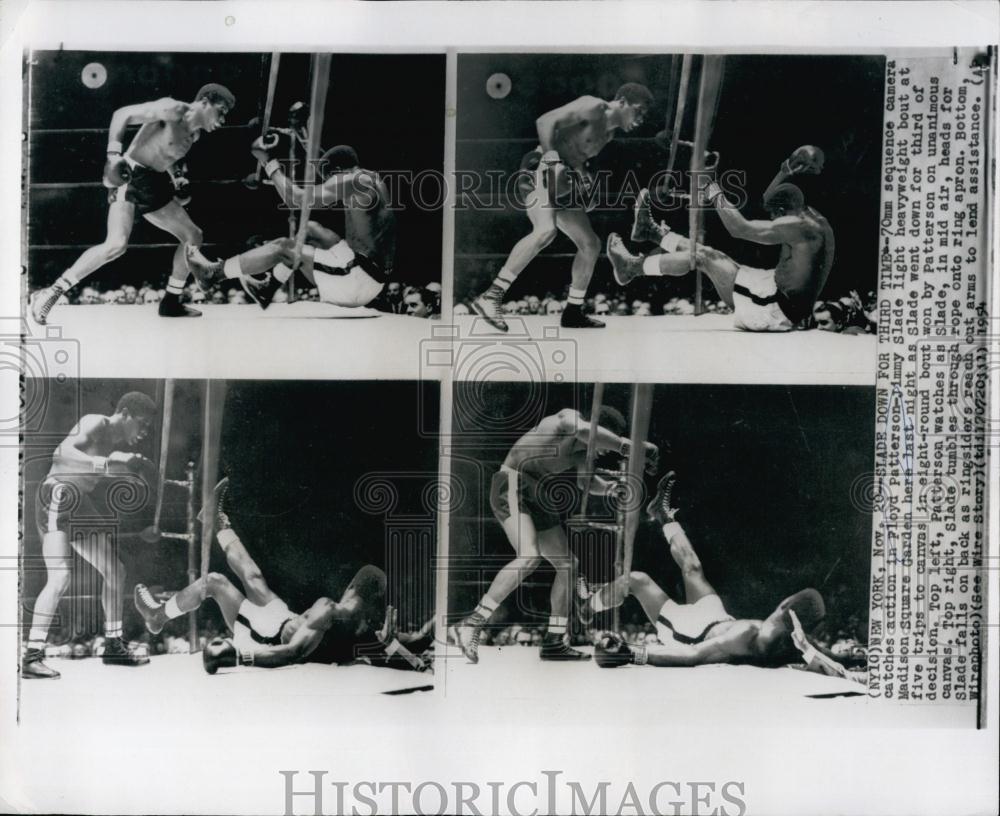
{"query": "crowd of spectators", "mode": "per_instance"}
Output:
(850, 314)
(397, 298)
(602, 304)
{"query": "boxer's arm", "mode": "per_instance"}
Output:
(162, 110)
(783, 175)
(789, 229)
(71, 452)
(572, 424)
(722, 649)
(307, 637)
(555, 126)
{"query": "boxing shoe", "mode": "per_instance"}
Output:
(40, 304)
(555, 648)
(117, 653)
(466, 636)
(626, 266)
(489, 307)
(218, 653)
(218, 505)
(644, 228)
(205, 272)
(261, 290)
(150, 609)
(171, 306)
(574, 318)
(662, 508)
(34, 668)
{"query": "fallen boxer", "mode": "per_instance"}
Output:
(700, 630)
(350, 271)
(762, 299)
(266, 633)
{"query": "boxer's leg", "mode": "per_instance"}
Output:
(173, 218)
(543, 231)
(521, 534)
(58, 565)
(554, 548)
(575, 224)
(695, 584)
(211, 585)
(101, 552)
(121, 217)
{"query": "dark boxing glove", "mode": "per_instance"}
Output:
(182, 187)
(116, 171)
(219, 653)
(612, 651)
(807, 160)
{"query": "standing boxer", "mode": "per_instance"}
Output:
(534, 529)
(89, 455)
(144, 181)
(556, 184)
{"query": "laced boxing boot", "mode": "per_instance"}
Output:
(662, 508)
(644, 228)
(118, 653)
(626, 266)
(466, 635)
(171, 306)
(554, 648)
(150, 609)
(489, 306)
(204, 271)
(40, 304)
(574, 318)
(220, 494)
(33, 667)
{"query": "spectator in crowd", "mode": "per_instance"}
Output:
(420, 302)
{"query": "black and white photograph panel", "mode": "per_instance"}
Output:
(185, 185)
(704, 541)
(724, 199)
(184, 533)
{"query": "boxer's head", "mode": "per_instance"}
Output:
(338, 159)
(785, 199)
(214, 102)
(773, 644)
(634, 101)
(135, 412)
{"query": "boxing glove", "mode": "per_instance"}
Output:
(116, 171)
(612, 651)
(219, 653)
(807, 160)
